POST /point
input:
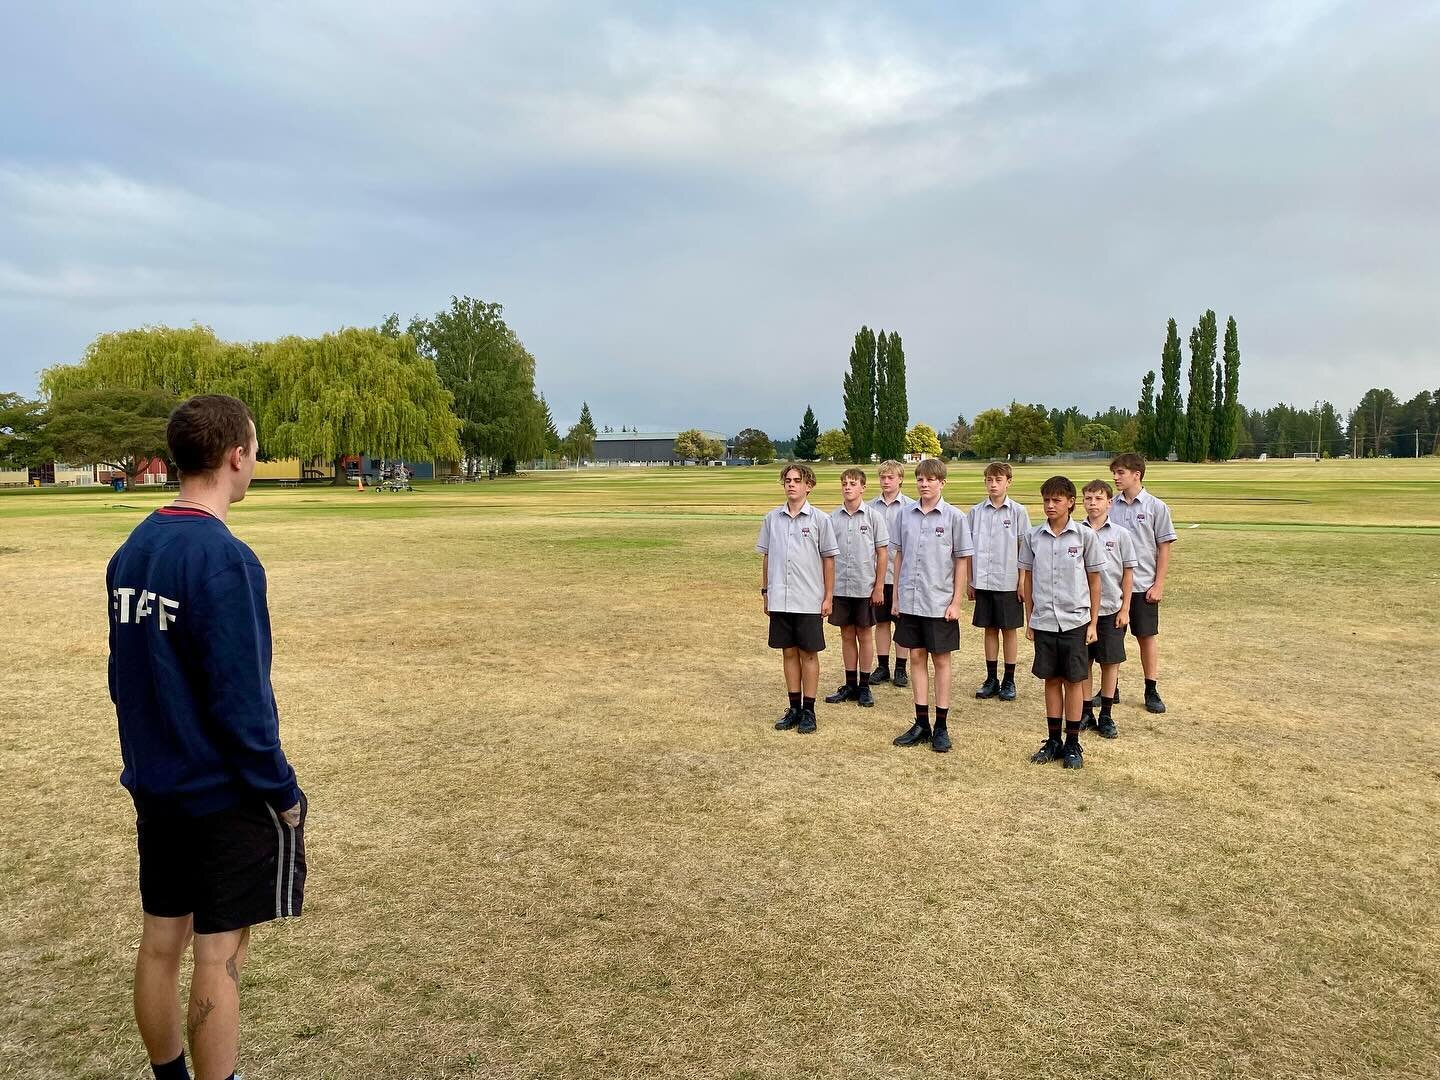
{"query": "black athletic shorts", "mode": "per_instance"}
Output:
(852, 611)
(883, 612)
(998, 610)
(793, 630)
(1144, 616)
(934, 635)
(230, 869)
(1061, 654)
(1109, 646)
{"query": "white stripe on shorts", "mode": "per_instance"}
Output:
(279, 857)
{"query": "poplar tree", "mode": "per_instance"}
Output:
(1230, 404)
(1145, 417)
(892, 412)
(859, 387)
(1201, 401)
(1168, 414)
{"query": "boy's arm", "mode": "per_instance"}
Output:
(1156, 592)
(765, 582)
(877, 594)
(828, 604)
(895, 600)
(1127, 579)
(962, 580)
(1025, 602)
(1091, 633)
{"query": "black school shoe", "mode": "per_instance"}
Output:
(864, 698)
(789, 720)
(806, 726)
(1050, 750)
(1153, 702)
(1107, 729)
(918, 733)
(940, 740)
(1087, 722)
(901, 679)
(1007, 688)
(989, 688)
(1073, 756)
(845, 693)
(879, 675)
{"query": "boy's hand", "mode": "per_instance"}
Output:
(878, 596)
(291, 817)
(1122, 618)
(1029, 632)
(826, 606)
(1155, 593)
(969, 592)
(1092, 634)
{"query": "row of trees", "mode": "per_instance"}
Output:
(877, 409)
(1204, 426)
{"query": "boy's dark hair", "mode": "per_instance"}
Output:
(854, 474)
(203, 429)
(1057, 485)
(1099, 485)
(932, 468)
(999, 468)
(807, 474)
(1129, 462)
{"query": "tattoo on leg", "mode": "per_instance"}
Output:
(231, 969)
(199, 1012)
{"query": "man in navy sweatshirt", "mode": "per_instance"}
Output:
(219, 816)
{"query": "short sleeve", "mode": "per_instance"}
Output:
(1164, 527)
(1027, 552)
(1128, 556)
(1094, 553)
(962, 547)
(829, 546)
(880, 529)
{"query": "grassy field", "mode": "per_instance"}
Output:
(554, 835)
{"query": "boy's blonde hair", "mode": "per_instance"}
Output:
(931, 468)
(1000, 468)
(890, 467)
(807, 474)
(853, 474)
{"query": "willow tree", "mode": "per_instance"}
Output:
(352, 392)
(179, 361)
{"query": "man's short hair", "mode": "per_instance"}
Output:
(853, 474)
(1129, 462)
(931, 468)
(890, 467)
(1057, 485)
(999, 468)
(203, 429)
(807, 474)
(1099, 485)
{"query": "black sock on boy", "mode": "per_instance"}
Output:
(1072, 732)
(807, 704)
(1010, 671)
(852, 678)
(882, 662)
(922, 714)
(1105, 703)
(171, 1070)
(795, 699)
(900, 663)
(990, 668)
(1150, 687)
(864, 677)
(1052, 724)
(941, 715)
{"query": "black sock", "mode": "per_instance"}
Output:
(990, 666)
(171, 1070)
(1072, 732)
(941, 715)
(1087, 710)
(864, 678)
(882, 662)
(1052, 724)
(1010, 672)
(922, 715)
(899, 665)
(850, 678)
(808, 704)
(1150, 687)
(794, 699)
(1105, 703)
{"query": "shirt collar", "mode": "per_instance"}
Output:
(864, 508)
(940, 505)
(1006, 505)
(806, 509)
(1102, 528)
(1131, 502)
(1070, 526)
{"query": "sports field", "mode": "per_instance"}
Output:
(553, 833)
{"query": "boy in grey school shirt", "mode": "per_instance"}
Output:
(797, 588)
(1148, 520)
(932, 565)
(997, 523)
(863, 538)
(1109, 648)
(892, 502)
(1060, 565)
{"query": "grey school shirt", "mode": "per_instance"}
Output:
(1148, 520)
(1118, 546)
(929, 542)
(996, 532)
(797, 547)
(1058, 566)
(859, 535)
(892, 511)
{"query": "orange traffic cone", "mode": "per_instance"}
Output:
(359, 481)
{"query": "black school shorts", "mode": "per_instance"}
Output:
(1109, 646)
(794, 630)
(884, 612)
(1061, 654)
(852, 611)
(230, 869)
(1144, 616)
(934, 635)
(998, 610)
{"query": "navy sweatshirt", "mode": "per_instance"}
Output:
(190, 668)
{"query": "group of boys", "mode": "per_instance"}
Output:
(1076, 587)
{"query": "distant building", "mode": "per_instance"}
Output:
(646, 447)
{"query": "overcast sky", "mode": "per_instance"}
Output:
(687, 210)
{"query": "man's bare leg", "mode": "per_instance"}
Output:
(157, 986)
(213, 1020)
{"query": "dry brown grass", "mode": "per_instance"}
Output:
(568, 844)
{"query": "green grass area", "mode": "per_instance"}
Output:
(553, 833)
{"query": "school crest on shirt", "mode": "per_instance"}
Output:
(864, 528)
(1074, 551)
(1139, 517)
(1109, 543)
(939, 530)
